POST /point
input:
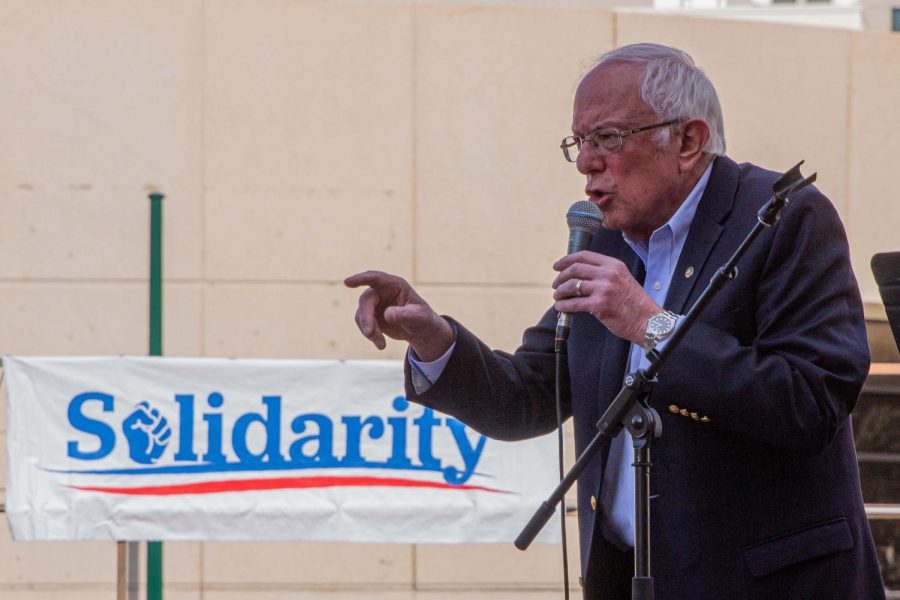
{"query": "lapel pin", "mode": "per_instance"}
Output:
(689, 273)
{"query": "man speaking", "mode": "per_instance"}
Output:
(755, 487)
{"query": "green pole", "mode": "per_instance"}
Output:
(155, 549)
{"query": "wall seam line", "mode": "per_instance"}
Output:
(204, 66)
(414, 158)
(848, 131)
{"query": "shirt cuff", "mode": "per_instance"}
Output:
(425, 374)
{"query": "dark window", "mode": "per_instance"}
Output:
(895, 21)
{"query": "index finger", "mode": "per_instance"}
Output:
(371, 278)
(584, 256)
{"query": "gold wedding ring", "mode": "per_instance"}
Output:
(578, 287)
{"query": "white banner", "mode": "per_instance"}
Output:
(217, 449)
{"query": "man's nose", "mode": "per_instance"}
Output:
(588, 160)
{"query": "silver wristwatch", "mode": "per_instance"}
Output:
(659, 327)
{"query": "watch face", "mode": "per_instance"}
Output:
(660, 324)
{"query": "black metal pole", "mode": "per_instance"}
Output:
(642, 582)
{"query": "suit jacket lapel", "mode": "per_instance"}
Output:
(706, 228)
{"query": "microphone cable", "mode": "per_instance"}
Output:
(583, 219)
(560, 363)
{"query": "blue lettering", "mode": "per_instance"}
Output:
(185, 427)
(256, 438)
(398, 459)
(106, 435)
(469, 455)
(214, 433)
(324, 454)
(426, 423)
(354, 425)
(272, 426)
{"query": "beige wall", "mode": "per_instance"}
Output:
(298, 142)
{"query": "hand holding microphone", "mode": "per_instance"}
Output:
(597, 284)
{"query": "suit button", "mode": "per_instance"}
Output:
(593, 502)
(673, 409)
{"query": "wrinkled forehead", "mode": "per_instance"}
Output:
(609, 95)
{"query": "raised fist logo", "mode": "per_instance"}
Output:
(147, 432)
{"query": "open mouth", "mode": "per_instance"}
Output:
(599, 198)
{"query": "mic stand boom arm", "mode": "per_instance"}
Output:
(629, 409)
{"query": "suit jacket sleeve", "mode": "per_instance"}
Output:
(504, 396)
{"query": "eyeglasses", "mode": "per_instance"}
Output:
(604, 141)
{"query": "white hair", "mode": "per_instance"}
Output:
(675, 88)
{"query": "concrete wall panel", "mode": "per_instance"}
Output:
(310, 564)
(874, 128)
(106, 105)
(308, 138)
(310, 234)
(285, 321)
(67, 592)
(494, 89)
(71, 563)
(90, 318)
(74, 318)
(370, 594)
(498, 566)
(183, 562)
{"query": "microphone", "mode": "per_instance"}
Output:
(584, 220)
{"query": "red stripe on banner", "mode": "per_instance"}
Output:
(282, 483)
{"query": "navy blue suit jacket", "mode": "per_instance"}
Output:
(755, 486)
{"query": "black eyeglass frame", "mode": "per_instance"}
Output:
(577, 141)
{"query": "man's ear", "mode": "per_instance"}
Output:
(694, 134)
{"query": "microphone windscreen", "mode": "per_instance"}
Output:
(584, 216)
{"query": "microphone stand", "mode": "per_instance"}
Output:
(630, 408)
